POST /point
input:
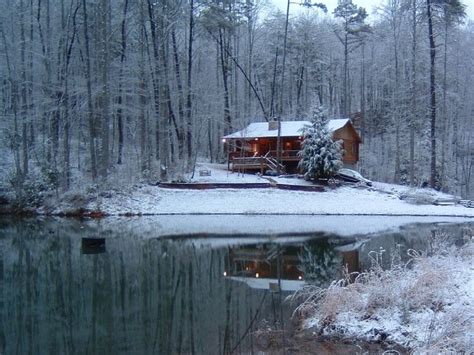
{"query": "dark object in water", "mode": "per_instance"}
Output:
(93, 245)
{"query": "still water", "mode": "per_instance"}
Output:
(89, 287)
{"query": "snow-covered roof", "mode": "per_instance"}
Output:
(288, 129)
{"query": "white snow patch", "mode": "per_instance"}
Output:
(219, 174)
(341, 201)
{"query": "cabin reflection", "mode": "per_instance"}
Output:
(261, 261)
(290, 266)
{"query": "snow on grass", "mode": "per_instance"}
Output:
(142, 199)
(426, 305)
(412, 195)
(341, 201)
(219, 173)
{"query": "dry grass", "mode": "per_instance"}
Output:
(426, 303)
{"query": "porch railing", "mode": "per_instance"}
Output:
(256, 162)
(285, 154)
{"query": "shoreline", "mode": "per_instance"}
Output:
(246, 196)
(98, 214)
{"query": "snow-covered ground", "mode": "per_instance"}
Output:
(427, 307)
(382, 199)
(344, 200)
(219, 173)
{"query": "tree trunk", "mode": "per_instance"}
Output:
(224, 62)
(23, 92)
(413, 94)
(345, 109)
(155, 81)
(283, 63)
(64, 79)
(90, 110)
(161, 95)
(433, 172)
(444, 126)
(396, 101)
(189, 102)
(177, 70)
(143, 94)
(273, 87)
(103, 100)
(123, 47)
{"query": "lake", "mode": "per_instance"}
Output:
(180, 284)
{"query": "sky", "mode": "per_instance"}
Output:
(368, 4)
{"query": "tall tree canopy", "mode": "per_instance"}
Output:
(104, 91)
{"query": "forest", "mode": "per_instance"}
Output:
(96, 91)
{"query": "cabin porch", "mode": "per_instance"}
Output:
(260, 154)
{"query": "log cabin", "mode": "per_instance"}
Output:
(254, 148)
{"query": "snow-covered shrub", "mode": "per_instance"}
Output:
(418, 197)
(426, 304)
(30, 190)
(320, 155)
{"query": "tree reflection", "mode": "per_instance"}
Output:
(146, 295)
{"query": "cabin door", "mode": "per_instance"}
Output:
(264, 146)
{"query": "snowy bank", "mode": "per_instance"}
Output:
(143, 199)
(426, 305)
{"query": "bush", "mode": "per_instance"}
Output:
(31, 189)
(425, 304)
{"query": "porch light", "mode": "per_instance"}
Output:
(256, 139)
(300, 277)
(225, 273)
(223, 140)
(257, 275)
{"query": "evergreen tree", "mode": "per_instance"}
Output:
(320, 156)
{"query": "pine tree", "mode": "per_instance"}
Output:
(320, 156)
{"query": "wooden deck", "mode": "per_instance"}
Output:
(263, 163)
